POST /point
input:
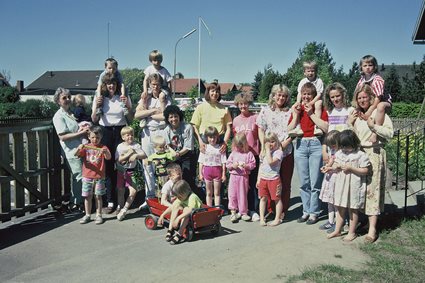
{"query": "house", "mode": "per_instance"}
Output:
(84, 82)
(226, 88)
(181, 87)
(419, 33)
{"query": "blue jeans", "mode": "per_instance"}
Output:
(308, 159)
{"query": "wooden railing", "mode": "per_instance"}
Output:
(32, 174)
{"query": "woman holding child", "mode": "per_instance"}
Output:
(70, 137)
(364, 127)
(274, 118)
(308, 152)
(112, 121)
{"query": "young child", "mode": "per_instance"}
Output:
(268, 182)
(240, 162)
(83, 119)
(174, 174)
(126, 156)
(310, 73)
(111, 67)
(155, 84)
(369, 75)
(186, 201)
(94, 155)
(352, 166)
(162, 156)
(328, 185)
(212, 167)
(155, 57)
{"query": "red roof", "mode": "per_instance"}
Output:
(185, 85)
(226, 87)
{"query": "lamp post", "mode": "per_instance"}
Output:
(175, 58)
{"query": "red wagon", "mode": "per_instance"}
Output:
(202, 220)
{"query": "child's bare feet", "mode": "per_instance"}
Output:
(263, 223)
(334, 234)
(349, 237)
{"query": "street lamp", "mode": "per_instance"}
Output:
(175, 58)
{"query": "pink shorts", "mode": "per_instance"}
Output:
(126, 179)
(270, 188)
(212, 173)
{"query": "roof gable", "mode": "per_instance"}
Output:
(185, 85)
(66, 79)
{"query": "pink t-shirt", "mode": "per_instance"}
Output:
(248, 125)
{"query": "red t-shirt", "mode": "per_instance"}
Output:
(307, 125)
(93, 161)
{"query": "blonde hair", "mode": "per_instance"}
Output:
(79, 100)
(158, 141)
(310, 87)
(240, 142)
(310, 64)
(126, 130)
(181, 188)
(272, 137)
(243, 98)
(155, 55)
(339, 88)
(366, 89)
(275, 89)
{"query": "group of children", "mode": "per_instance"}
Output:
(345, 168)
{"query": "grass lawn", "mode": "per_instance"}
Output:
(398, 256)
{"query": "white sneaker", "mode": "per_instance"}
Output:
(246, 217)
(85, 219)
(233, 218)
(98, 220)
(255, 217)
(121, 215)
(238, 216)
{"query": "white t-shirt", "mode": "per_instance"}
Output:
(338, 119)
(212, 156)
(122, 148)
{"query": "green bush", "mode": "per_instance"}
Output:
(32, 108)
(406, 110)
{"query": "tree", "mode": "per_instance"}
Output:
(311, 51)
(8, 94)
(256, 85)
(270, 78)
(133, 81)
(392, 84)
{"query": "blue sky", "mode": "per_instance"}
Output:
(45, 35)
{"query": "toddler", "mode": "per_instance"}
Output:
(155, 57)
(126, 156)
(83, 119)
(162, 156)
(328, 185)
(94, 155)
(212, 166)
(186, 202)
(352, 166)
(268, 182)
(174, 174)
(240, 162)
(310, 73)
(111, 67)
(382, 103)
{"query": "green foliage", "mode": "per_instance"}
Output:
(256, 85)
(193, 94)
(392, 84)
(133, 81)
(32, 108)
(8, 94)
(270, 78)
(406, 110)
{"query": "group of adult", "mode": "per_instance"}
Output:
(277, 117)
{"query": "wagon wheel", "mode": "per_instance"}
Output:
(216, 229)
(151, 222)
(188, 233)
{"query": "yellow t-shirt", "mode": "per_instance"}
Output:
(206, 115)
(193, 201)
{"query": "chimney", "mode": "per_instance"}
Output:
(51, 74)
(20, 86)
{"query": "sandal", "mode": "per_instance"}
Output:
(177, 239)
(169, 235)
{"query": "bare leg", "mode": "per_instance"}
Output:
(339, 222)
(354, 219)
(373, 221)
(217, 188)
(277, 219)
(99, 204)
(130, 198)
(263, 204)
(209, 192)
(120, 196)
(87, 204)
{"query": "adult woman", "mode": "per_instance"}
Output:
(308, 153)
(246, 123)
(112, 121)
(212, 113)
(154, 116)
(364, 127)
(70, 137)
(179, 136)
(275, 118)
